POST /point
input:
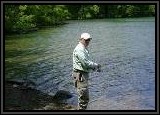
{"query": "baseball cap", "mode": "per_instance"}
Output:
(86, 36)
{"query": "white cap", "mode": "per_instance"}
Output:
(86, 36)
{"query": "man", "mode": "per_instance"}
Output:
(81, 68)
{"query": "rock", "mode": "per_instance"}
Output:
(70, 107)
(22, 84)
(15, 85)
(61, 94)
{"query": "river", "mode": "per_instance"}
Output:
(125, 48)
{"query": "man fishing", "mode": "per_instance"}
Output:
(82, 65)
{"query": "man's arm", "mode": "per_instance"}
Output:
(84, 59)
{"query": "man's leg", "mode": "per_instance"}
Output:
(83, 93)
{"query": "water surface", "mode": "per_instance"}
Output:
(124, 47)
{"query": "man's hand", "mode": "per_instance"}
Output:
(98, 68)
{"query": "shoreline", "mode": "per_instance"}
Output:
(30, 99)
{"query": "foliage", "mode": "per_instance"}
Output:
(23, 18)
(88, 11)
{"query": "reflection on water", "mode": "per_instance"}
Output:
(124, 47)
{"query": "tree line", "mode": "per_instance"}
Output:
(25, 18)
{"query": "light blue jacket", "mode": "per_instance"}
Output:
(81, 59)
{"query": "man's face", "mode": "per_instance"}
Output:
(86, 42)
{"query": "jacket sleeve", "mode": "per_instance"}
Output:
(84, 59)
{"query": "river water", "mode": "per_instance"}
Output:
(124, 47)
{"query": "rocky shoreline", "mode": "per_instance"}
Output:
(18, 98)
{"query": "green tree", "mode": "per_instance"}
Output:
(73, 11)
(88, 11)
(23, 18)
(24, 22)
(152, 10)
(10, 17)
